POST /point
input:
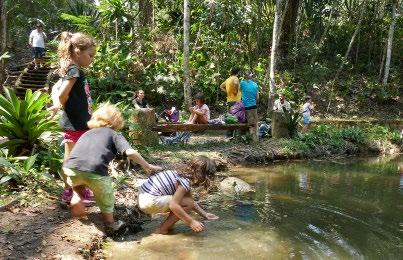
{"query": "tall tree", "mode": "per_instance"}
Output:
(273, 55)
(390, 42)
(146, 10)
(3, 38)
(357, 29)
(186, 76)
(289, 24)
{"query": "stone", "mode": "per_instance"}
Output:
(235, 186)
(279, 125)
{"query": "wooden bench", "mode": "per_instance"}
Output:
(145, 128)
(176, 127)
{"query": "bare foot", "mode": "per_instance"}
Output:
(211, 216)
(78, 210)
(160, 231)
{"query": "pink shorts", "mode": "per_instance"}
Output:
(71, 136)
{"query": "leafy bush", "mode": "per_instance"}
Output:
(24, 121)
(378, 132)
(293, 118)
(16, 172)
(353, 134)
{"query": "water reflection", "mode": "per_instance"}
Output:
(312, 210)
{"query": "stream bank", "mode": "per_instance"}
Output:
(40, 229)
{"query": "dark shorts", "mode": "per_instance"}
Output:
(38, 52)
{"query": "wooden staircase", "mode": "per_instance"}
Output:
(25, 76)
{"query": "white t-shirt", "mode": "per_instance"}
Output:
(37, 38)
(279, 107)
(306, 109)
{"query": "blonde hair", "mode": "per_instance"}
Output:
(107, 115)
(69, 43)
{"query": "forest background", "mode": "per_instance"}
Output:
(345, 53)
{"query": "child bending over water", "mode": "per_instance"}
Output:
(87, 165)
(169, 191)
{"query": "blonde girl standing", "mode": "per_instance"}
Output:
(76, 51)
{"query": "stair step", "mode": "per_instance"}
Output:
(39, 71)
(36, 74)
(35, 82)
(36, 86)
(21, 91)
(15, 72)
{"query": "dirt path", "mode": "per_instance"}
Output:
(46, 231)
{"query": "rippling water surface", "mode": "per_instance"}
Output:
(350, 209)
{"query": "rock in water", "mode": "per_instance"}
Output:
(235, 186)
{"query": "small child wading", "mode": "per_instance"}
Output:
(306, 113)
(87, 165)
(76, 51)
(170, 191)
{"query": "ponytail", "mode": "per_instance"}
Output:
(69, 42)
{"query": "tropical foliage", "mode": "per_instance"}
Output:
(140, 45)
(22, 122)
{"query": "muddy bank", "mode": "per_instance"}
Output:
(238, 153)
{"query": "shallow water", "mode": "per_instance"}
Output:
(350, 209)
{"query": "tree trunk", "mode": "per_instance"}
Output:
(259, 29)
(389, 48)
(146, 11)
(273, 56)
(322, 38)
(357, 29)
(279, 127)
(3, 40)
(289, 24)
(186, 79)
(382, 64)
(144, 118)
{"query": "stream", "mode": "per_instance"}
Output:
(344, 209)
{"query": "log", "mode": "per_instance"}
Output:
(142, 134)
(197, 127)
(279, 127)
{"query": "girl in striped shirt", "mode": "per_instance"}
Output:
(169, 191)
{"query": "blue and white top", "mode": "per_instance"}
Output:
(165, 183)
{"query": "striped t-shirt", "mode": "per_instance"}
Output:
(165, 183)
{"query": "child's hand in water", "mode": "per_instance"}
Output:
(153, 168)
(196, 226)
(211, 216)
